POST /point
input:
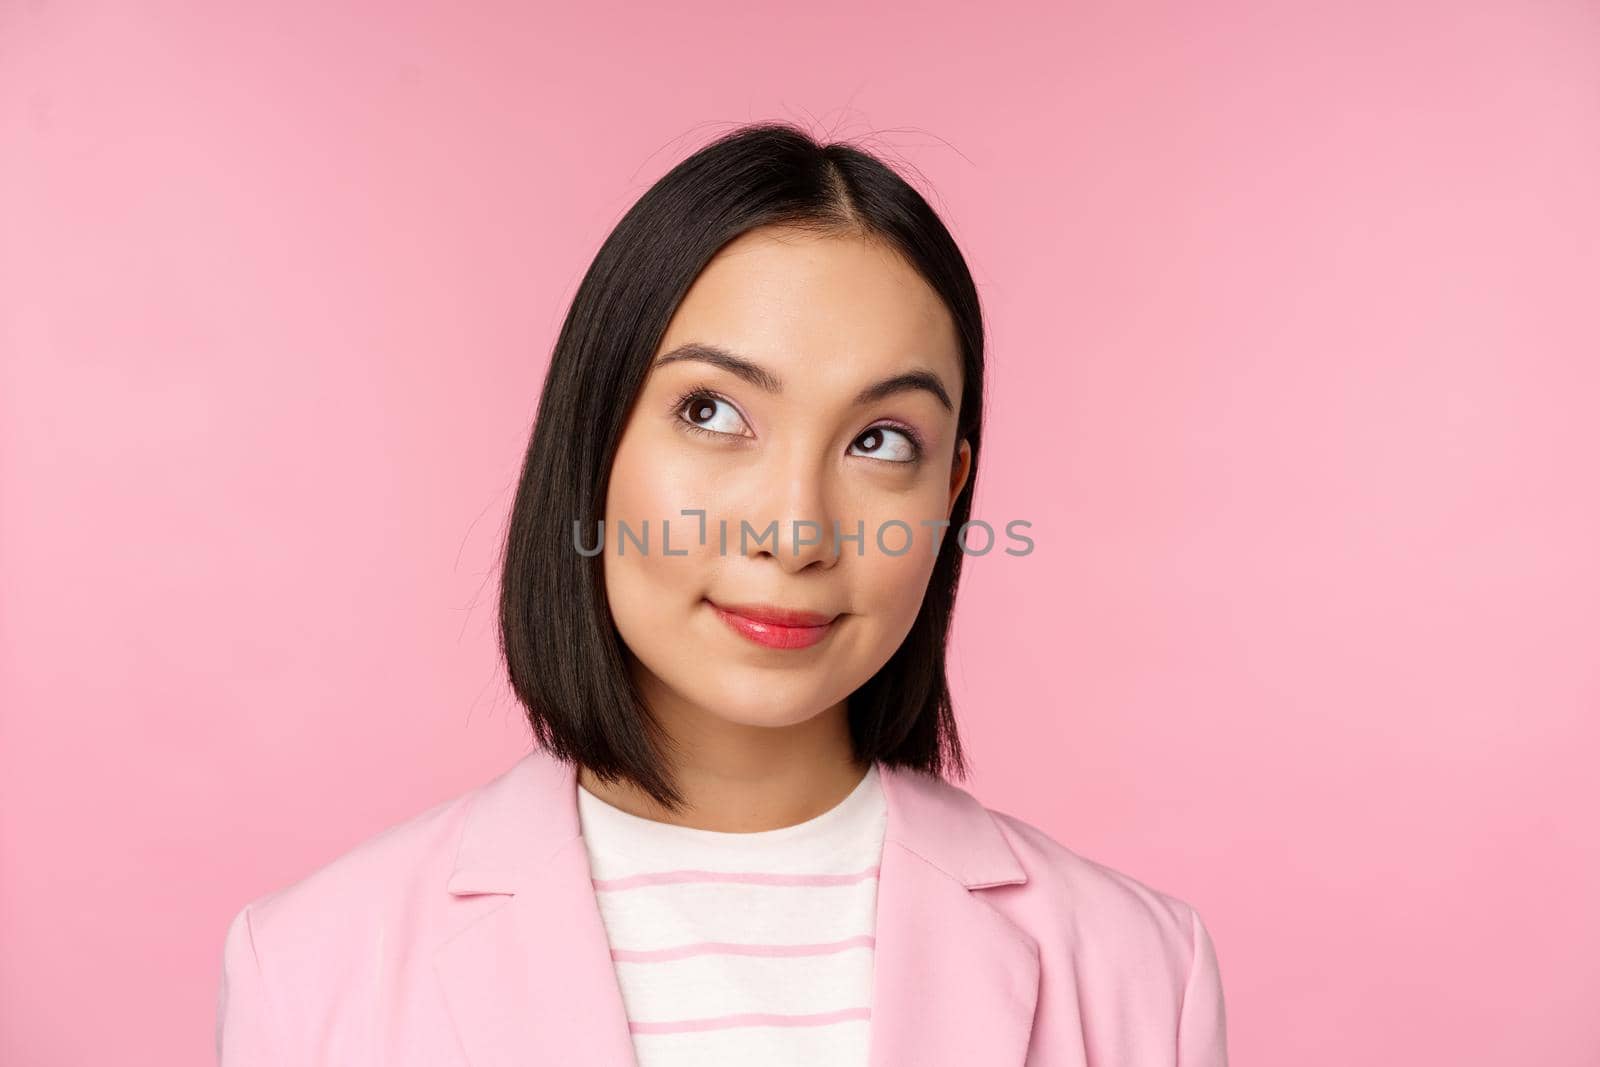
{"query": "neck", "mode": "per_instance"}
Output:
(743, 778)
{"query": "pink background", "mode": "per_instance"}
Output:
(1294, 370)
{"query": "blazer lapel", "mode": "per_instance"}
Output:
(954, 981)
(532, 981)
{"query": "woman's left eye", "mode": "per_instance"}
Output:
(890, 445)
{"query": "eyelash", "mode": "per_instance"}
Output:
(702, 393)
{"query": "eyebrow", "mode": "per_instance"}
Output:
(763, 379)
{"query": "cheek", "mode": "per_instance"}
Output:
(646, 491)
(656, 476)
(648, 481)
(892, 586)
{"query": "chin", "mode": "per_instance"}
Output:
(757, 705)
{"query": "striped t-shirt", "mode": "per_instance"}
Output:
(742, 948)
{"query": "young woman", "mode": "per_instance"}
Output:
(728, 581)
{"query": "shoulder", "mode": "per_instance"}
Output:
(347, 912)
(1067, 901)
(1137, 962)
(414, 854)
(1092, 889)
(1107, 920)
(329, 950)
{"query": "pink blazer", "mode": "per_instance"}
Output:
(469, 936)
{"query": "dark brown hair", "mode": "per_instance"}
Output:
(565, 658)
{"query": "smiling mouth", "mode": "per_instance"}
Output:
(775, 627)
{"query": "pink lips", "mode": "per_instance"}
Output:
(775, 627)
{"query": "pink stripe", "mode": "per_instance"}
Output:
(634, 881)
(680, 1026)
(739, 948)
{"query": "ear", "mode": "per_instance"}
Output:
(960, 467)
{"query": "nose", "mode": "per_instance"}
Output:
(792, 517)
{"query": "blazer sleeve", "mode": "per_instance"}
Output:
(244, 1027)
(1202, 1021)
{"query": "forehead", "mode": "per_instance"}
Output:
(818, 308)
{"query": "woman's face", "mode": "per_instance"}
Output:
(815, 323)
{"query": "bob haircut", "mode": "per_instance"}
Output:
(565, 659)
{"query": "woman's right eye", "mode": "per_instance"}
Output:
(706, 413)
